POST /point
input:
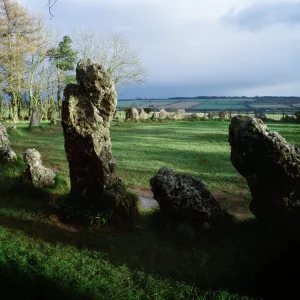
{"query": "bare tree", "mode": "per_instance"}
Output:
(19, 31)
(114, 54)
(37, 64)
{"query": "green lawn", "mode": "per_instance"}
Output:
(41, 258)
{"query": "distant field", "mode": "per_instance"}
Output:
(184, 105)
(206, 104)
(219, 106)
(144, 103)
(270, 106)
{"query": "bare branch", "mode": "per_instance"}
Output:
(51, 3)
(114, 54)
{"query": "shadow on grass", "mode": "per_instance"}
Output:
(235, 256)
(17, 284)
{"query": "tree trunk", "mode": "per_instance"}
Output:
(35, 119)
(14, 110)
(59, 92)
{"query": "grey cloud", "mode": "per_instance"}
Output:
(259, 16)
(196, 57)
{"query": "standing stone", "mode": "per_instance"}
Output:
(35, 119)
(35, 172)
(212, 115)
(87, 111)
(179, 114)
(163, 114)
(223, 115)
(6, 153)
(271, 167)
(132, 114)
(143, 115)
(155, 116)
(183, 197)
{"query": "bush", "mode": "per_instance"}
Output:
(297, 115)
(288, 118)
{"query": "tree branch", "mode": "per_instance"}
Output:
(51, 3)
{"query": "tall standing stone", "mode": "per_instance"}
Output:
(132, 114)
(142, 114)
(87, 111)
(271, 167)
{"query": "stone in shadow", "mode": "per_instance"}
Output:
(271, 167)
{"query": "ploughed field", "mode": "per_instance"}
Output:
(41, 258)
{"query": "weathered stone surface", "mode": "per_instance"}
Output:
(179, 114)
(132, 114)
(212, 115)
(35, 172)
(6, 153)
(155, 116)
(171, 116)
(35, 119)
(163, 114)
(223, 115)
(183, 197)
(87, 111)
(190, 116)
(271, 167)
(143, 115)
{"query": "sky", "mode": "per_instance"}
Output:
(196, 47)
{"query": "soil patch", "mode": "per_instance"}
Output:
(146, 198)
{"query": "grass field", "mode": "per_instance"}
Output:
(41, 258)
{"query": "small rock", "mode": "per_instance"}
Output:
(183, 197)
(35, 172)
(6, 153)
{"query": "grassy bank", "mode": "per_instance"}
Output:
(42, 258)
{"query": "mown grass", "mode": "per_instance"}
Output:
(41, 258)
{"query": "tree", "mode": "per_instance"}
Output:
(19, 31)
(114, 54)
(65, 58)
(38, 65)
